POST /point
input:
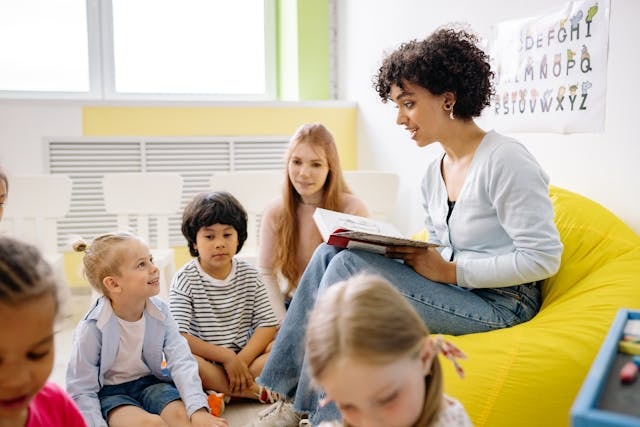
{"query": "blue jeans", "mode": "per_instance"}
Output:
(446, 309)
(148, 393)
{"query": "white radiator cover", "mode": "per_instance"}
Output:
(85, 160)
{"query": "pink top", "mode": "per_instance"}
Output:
(52, 407)
(310, 237)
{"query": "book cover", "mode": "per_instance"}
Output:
(357, 232)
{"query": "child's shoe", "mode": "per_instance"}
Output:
(216, 402)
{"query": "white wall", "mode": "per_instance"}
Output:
(604, 167)
(23, 126)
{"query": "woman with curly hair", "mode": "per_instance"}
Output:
(486, 202)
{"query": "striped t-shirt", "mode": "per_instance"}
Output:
(221, 312)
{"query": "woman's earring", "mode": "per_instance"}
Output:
(449, 107)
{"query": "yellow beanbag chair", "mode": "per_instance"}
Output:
(530, 374)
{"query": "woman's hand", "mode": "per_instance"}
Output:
(427, 262)
(238, 373)
(202, 418)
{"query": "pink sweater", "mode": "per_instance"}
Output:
(52, 407)
(309, 239)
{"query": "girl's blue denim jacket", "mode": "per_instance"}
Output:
(95, 343)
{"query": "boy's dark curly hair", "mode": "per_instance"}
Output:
(449, 60)
(218, 207)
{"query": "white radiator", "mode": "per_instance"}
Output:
(85, 160)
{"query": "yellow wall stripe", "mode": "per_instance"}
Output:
(223, 121)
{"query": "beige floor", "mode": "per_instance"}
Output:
(237, 414)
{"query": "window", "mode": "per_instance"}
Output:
(142, 49)
(189, 46)
(43, 46)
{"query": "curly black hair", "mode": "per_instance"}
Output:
(218, 207)
(449, 60)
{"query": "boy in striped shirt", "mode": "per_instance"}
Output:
(220, 303)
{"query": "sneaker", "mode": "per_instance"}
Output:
(266, 395)
(280, 414)
(304, 423)
(216, 402)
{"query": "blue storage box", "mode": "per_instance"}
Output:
(587, 409)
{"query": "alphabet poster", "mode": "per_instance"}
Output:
(551, 70)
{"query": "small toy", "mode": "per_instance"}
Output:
(632, 327)
(216, 402)
(629, 371)
(629, 347)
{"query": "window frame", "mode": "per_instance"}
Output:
(102, 65)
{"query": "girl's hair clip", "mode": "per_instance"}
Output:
(451, 352)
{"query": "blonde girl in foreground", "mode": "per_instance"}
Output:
(115, 372)
(29, 305)
(374, 358)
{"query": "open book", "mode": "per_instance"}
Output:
(357, 232)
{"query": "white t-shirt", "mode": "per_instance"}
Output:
(128, 365)
(453, 414)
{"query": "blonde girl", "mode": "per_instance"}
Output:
(115, 373)
(288, 235)
(29, 305)
(373, 356)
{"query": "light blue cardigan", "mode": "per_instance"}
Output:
(501, 231)
(95, 343)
